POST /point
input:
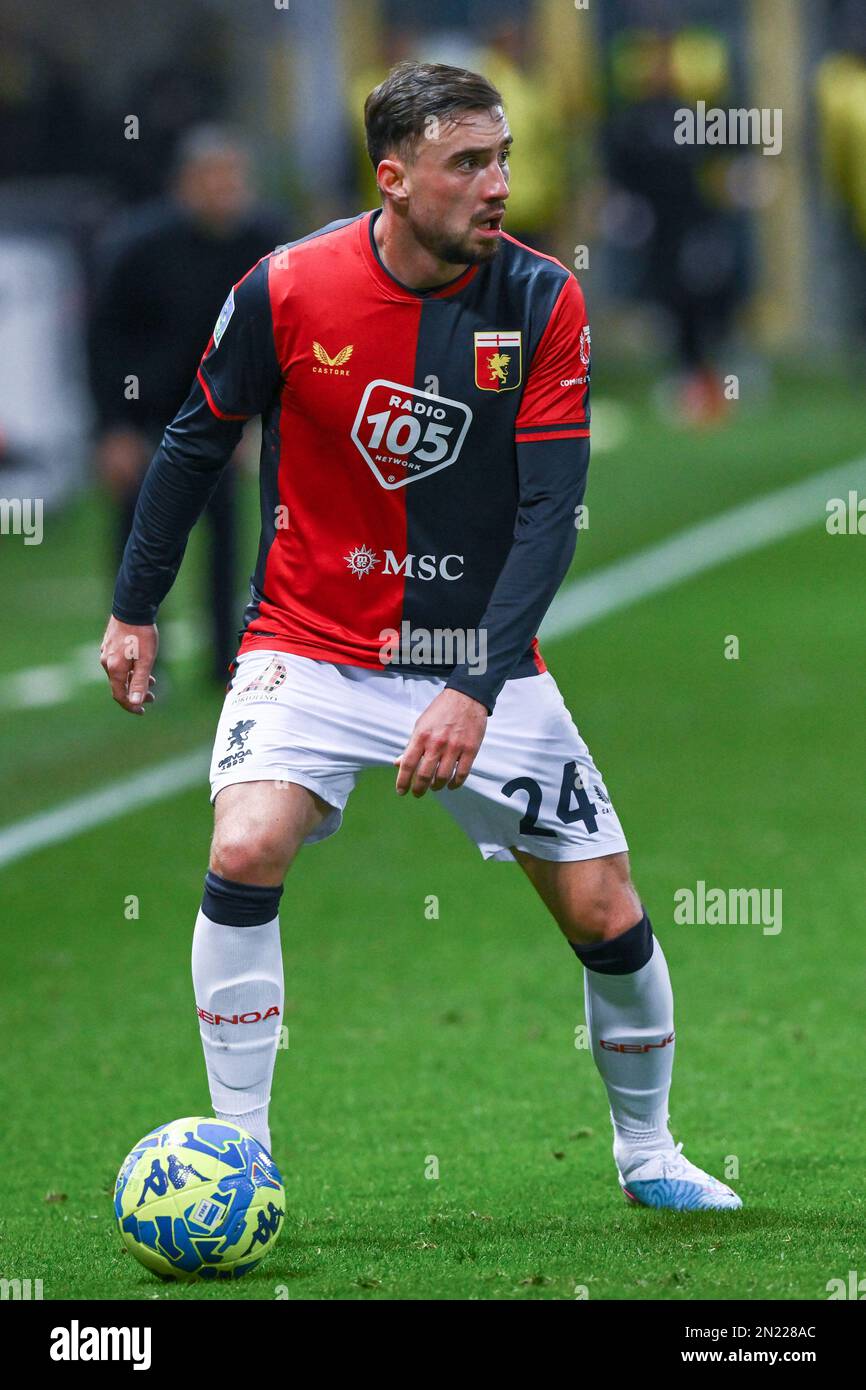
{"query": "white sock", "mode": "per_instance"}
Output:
(238, 974)
(634, 1011)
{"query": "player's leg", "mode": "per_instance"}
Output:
(535, 794)
(237, 962)
(629, 1002)
(259, 828)
(284, 763)
(630, 1017)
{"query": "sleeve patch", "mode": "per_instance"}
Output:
(222, 322)
(557, 390)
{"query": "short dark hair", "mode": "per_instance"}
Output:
(397, 111)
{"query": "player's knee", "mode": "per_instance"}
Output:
(607, 910)
(247, 854)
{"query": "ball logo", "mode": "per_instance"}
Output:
(207, 1213)
(404, 435)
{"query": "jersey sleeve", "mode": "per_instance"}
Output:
(555, 404)
(238, 377)
(238, 372)
(552, 446)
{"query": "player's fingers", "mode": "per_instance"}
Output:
(461, 771)
(425, 772)
(121, 672)
(139, 683)
(445, 770)
(150, 695)
(407, 763)
(117, 670)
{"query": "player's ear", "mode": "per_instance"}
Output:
(391, 178)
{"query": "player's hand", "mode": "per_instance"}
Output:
(127, 656)
(444, 744)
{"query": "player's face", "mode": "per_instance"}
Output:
(457, 186)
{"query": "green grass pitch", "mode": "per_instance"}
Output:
(454, 1038)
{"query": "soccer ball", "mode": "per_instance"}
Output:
(199, 1199)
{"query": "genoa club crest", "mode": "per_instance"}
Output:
(498, 360)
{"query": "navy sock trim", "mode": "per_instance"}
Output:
(239, 904)
(623, 955)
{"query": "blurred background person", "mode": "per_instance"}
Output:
(671, 203)
(508, 58)
(166, 272)
(840, 95)
(43, 127)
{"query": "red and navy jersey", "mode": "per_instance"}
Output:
(423, 455)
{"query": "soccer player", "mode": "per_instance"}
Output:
(423, 383)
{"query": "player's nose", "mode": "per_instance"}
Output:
(496, 184)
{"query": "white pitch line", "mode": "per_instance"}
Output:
(58, 684)
(736, 532)
(95, 808)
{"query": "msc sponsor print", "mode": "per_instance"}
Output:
(362, 561)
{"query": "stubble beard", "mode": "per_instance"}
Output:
(453, 250)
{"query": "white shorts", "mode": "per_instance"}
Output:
(533, 784)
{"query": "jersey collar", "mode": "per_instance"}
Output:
(388, 282)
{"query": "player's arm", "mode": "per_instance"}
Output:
(447, 736)
(552, 442)
(237, 378)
